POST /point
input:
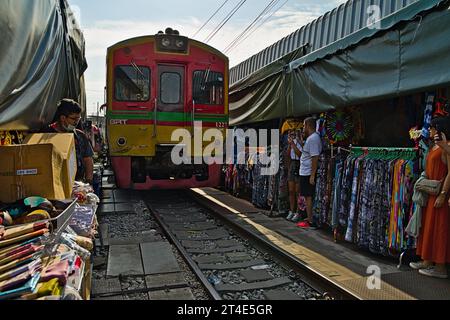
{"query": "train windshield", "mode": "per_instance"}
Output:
(132, 83)
(208, 87)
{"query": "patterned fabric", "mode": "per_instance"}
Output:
(322, 199)
(369, 202)
(260, 185)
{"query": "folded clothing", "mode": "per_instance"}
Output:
(20, 253)
(49, 288)
(58, 270)
(22, 230)
(24, 237)
(34, 266)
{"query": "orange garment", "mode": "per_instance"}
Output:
(433, 243)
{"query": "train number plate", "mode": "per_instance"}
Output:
(118, 121)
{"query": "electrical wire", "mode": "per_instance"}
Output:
(250, 32)
(257, 28)
(268, 7)
(212, 16)
(224, 21)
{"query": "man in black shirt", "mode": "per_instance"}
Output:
(67, 118)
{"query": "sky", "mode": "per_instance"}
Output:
(106, 22)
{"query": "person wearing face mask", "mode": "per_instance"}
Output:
(67, 117)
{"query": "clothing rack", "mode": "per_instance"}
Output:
(390, 149)
(339, 149)
(410, 153)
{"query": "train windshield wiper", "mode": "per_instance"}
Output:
(205, 79)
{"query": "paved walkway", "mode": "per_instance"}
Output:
(341, 262)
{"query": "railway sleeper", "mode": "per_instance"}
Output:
(253, 286)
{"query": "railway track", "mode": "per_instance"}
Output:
(231, 262)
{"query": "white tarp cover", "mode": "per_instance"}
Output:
(42, 60)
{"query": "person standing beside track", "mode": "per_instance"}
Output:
(433, 243)
(294, 152)
(67, 117)
(309, 163)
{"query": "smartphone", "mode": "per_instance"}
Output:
(438, 133)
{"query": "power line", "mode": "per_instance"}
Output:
(257, 28)
(224, 21)
(201, 28)
(252, 27)
(266, 9)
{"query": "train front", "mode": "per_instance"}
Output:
(167, 112)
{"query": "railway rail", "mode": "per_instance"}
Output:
(231, 262)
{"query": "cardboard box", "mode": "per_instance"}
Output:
(45, 165)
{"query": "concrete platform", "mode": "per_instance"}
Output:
(134, 240)
(157, 258)
(108, 286)
(124, 260)
(342, 262)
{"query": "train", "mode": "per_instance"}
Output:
(156, 85)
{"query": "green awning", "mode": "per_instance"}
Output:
(413, 57)
(405, 14)
(410, 52)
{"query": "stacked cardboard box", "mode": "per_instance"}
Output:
(45, 165)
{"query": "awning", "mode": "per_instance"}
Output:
(409, 52)
(261, 96)
(411, 57)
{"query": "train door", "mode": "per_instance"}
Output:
(170, 101)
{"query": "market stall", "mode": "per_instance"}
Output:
(47, 221)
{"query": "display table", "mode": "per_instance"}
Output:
(49, 259)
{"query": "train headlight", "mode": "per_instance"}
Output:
(165, 42)
(121, 142)
(179, 43)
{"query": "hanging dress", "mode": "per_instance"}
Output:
(434, 239)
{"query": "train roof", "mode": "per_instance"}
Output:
(152, 37)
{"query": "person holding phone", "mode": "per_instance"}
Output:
(294, 151)
(433, 243)
(440, 139)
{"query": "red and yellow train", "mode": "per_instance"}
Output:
(155, 85)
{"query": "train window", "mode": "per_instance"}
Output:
(132, 83)
(208, 87)
(170, 88)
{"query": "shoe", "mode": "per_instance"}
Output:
(431, 272)
(295, 218)
(418, 265)
(304, 224)
(290, 216)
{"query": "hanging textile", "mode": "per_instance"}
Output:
(366, 197)
(260, 183)
(291, 124)
(322, 200)
(338, 126)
